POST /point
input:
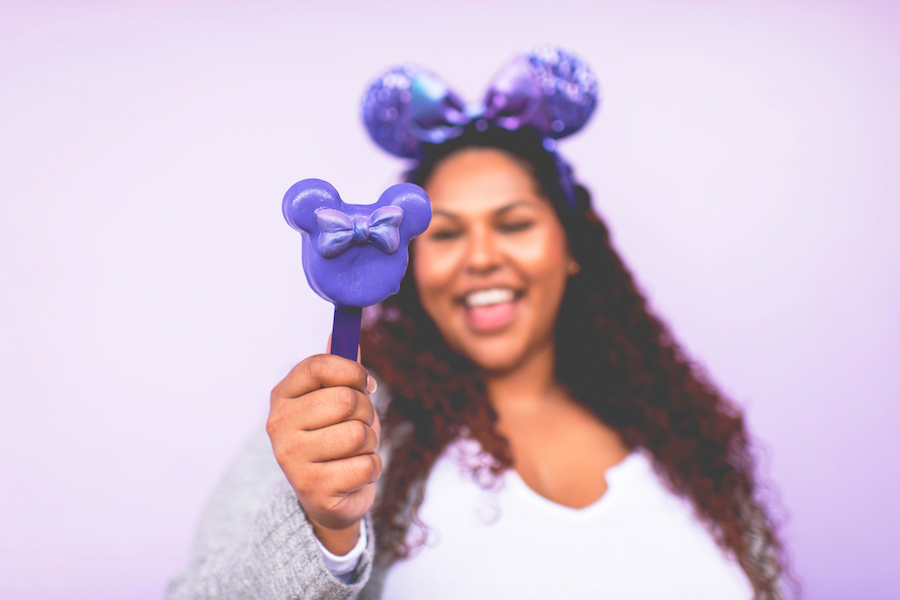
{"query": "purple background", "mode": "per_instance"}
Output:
(746, 156)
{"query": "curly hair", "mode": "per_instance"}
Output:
(619, 360)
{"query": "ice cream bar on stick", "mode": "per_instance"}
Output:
(354, 255)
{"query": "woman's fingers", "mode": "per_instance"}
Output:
(325, 425)
(340, 441)
(328, 406)
(321, 371)
(345, 476)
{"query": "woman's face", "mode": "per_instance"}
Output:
(492, 267)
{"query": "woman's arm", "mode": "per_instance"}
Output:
(254, 540)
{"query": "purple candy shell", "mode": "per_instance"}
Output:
(363, 275)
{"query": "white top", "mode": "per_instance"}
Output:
(639, 541)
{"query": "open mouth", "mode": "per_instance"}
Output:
(490, 309)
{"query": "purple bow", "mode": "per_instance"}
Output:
(337, 231)
(547, 89)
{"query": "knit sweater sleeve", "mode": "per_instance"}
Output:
(255, 542)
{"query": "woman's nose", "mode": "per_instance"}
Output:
(483, 254)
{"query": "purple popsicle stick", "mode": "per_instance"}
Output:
(345, 331)
(354, 255)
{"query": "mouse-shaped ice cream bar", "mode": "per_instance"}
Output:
(354, 255)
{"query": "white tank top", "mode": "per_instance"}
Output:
(639, 541)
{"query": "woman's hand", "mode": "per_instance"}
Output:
(325, 433)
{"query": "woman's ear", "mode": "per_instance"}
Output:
(573, 268)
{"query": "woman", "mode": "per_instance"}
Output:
(544, 436)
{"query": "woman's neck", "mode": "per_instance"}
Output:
(559, 448)
(528, 387)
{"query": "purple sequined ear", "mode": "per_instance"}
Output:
(568, 89)
(409, 105)
(355, 255)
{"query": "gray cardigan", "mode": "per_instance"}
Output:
(255, 542)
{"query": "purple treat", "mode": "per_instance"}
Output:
(354, 255)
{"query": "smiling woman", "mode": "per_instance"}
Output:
(541, 434)
(519, 329)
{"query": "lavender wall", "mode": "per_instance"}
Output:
(746, 156)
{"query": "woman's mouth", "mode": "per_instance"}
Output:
(490, 309)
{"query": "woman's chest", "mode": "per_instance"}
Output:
(506, 541)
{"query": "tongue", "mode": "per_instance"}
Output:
(491, 317)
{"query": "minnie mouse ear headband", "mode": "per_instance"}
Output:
(548, 89)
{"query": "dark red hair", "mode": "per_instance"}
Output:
(618, 359)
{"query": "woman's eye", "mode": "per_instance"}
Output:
(515, 226)
(446, 234)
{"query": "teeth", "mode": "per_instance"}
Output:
(489, 297)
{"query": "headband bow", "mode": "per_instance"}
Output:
(547, 89)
